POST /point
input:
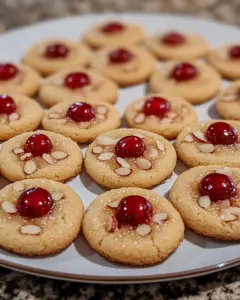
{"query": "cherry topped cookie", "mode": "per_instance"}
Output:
(18, 79)
(114, 33)
(51, 56)
(43, 217)
(176, 45)
(133, 226)
(194, 81)
(73, 83)
(130, 157)
(208, 143)
(40, 154)
(125, 65)
(164, 113)
(81, 121)
(208, 200)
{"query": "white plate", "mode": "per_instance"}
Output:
(196, 255)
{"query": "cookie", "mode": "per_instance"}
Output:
(130, 158)
(133, 226)
(18, 79)
(209, 202)
(175, 45)
(126, 65)
(226, 60)
(72, 84)
(164, 113)
(228, 102)
(39, 217)
(81, 121)
(51, 56)
(208, 143)
(114, 33)
(194, 81)
(18, 114)
(40, 154)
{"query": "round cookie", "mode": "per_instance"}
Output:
(81, 121)
(208, 201)
(226, 60)
(18, 114)
(50, 56)
(114, 230)
(18, 79)
(194, 81)
(175, 45)
(208, 143)
(73, 83)
(40, 154)
(39, 217)
(113, 33)
(228, 102)
(164, 113)
(126, 65)
(130, 158)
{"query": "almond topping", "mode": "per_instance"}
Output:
(223, 203)
(159, 217)
(152, 153)
(233, 210)
(114, 204)
(105, 156)
(57, 196)
(26, 155)
(30, 167)
(30, 229)
(18, 151)
(188, 138)
(123, 171)
(18, 186)
(111, 223)
(206, 148)
(139, 105)
(172, 115)
(54, 116)
(122, 162)
(48, 158)
(204, 202)
(139, 118)
(86, 90)
(143, 229)
(166, 121)
(224, 170)
(58, 81)
(97, 150)
(231, 97)
(160, 145)
(143, 163)
(129, 66)
(61, 121)
(228, 217)
(106, 140)
(200, 135)
(59, 155)
(13, 117)
(140, 135)
(8, 207)
(102, 110)
(100, 117)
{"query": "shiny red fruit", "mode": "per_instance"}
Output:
(183, 72)
(217, 187)
(38, 144)
(120, 56)
(130, 146)
(156, 106)
(8, 71)
(134, 210)
(76, 80)
(234, 52)
(221, 133)
(56, 51)
(113, 27)
(34, 203)
(81, 112)
(7, 105)
(173, 39)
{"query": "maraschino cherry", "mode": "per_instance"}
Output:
(217, 187)
(119, 56)
(130, 146)
(173, 39)
(184, 72)
(7, 105)
(112, 27)
(76, 80)
(38, 144)
(8, 71)
(56, 51)
(133, 211)
(81, 112)
(156, 106)
(34, 203)
(234, 52)
(221, 133)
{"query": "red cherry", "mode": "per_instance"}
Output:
(183, 72)
(234, 52)
(113, 27)
(76, 80)
(217, 187)
(81, 112)
(8, 71)
(221, 133)
(56, 51)
(130, 146)
(7, 105)
(120, 56)
(38, 144)
(34, 203)
(134, 210)
(156, 106)
(173, 39)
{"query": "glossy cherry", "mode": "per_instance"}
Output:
(134, 210)
(217, 187)
(7, 105)
(156, 106)
(34, 203)
(38, 144)
(113, 27)
(173, 39)
(234, 52)
(184, 72)
(8, 71)
(76, 80)
(56, 51)
(119, 56)
(130, 146)
(221, 133)
(81, 112)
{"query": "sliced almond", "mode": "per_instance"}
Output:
(227, 217)
(48, 158)
(9, 207)
(57, 196)
(152, 153)
(61, 121)
(97, 150)
(86, 90)
(30, 229)
(106, 140)
(100, 117)
(30, 167)
(58, 81)
(97, 82)
(18, 151)
(224, 170)
(172, 115)
(54, 116)
(223, 203)
(123, 171)
(229, 98)
(143, 229)
(139, 118)
(102, 110)
(3, 119)
(233, 210)
(111, 223)
(139, 105)
(200, 135)
(105, 156)
(129, 66)
(159, 217)
(188, 138)
(13, 117)
(166, 121)
(59, 155)
(237, 146)
(18, 186)
(25, 156)
(113, 204)
(143, 163)
(122, 162)
(206, 148)
(140, 135)
(204, 202)
(160, 145)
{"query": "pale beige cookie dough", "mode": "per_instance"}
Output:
(99, 88)
(78, 55)
(152, 167)
(144, 245)
(196, 90)
(43, 235)
(169, 125)
(61, 164)
(218, 219)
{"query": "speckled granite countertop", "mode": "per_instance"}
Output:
(15, 286)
